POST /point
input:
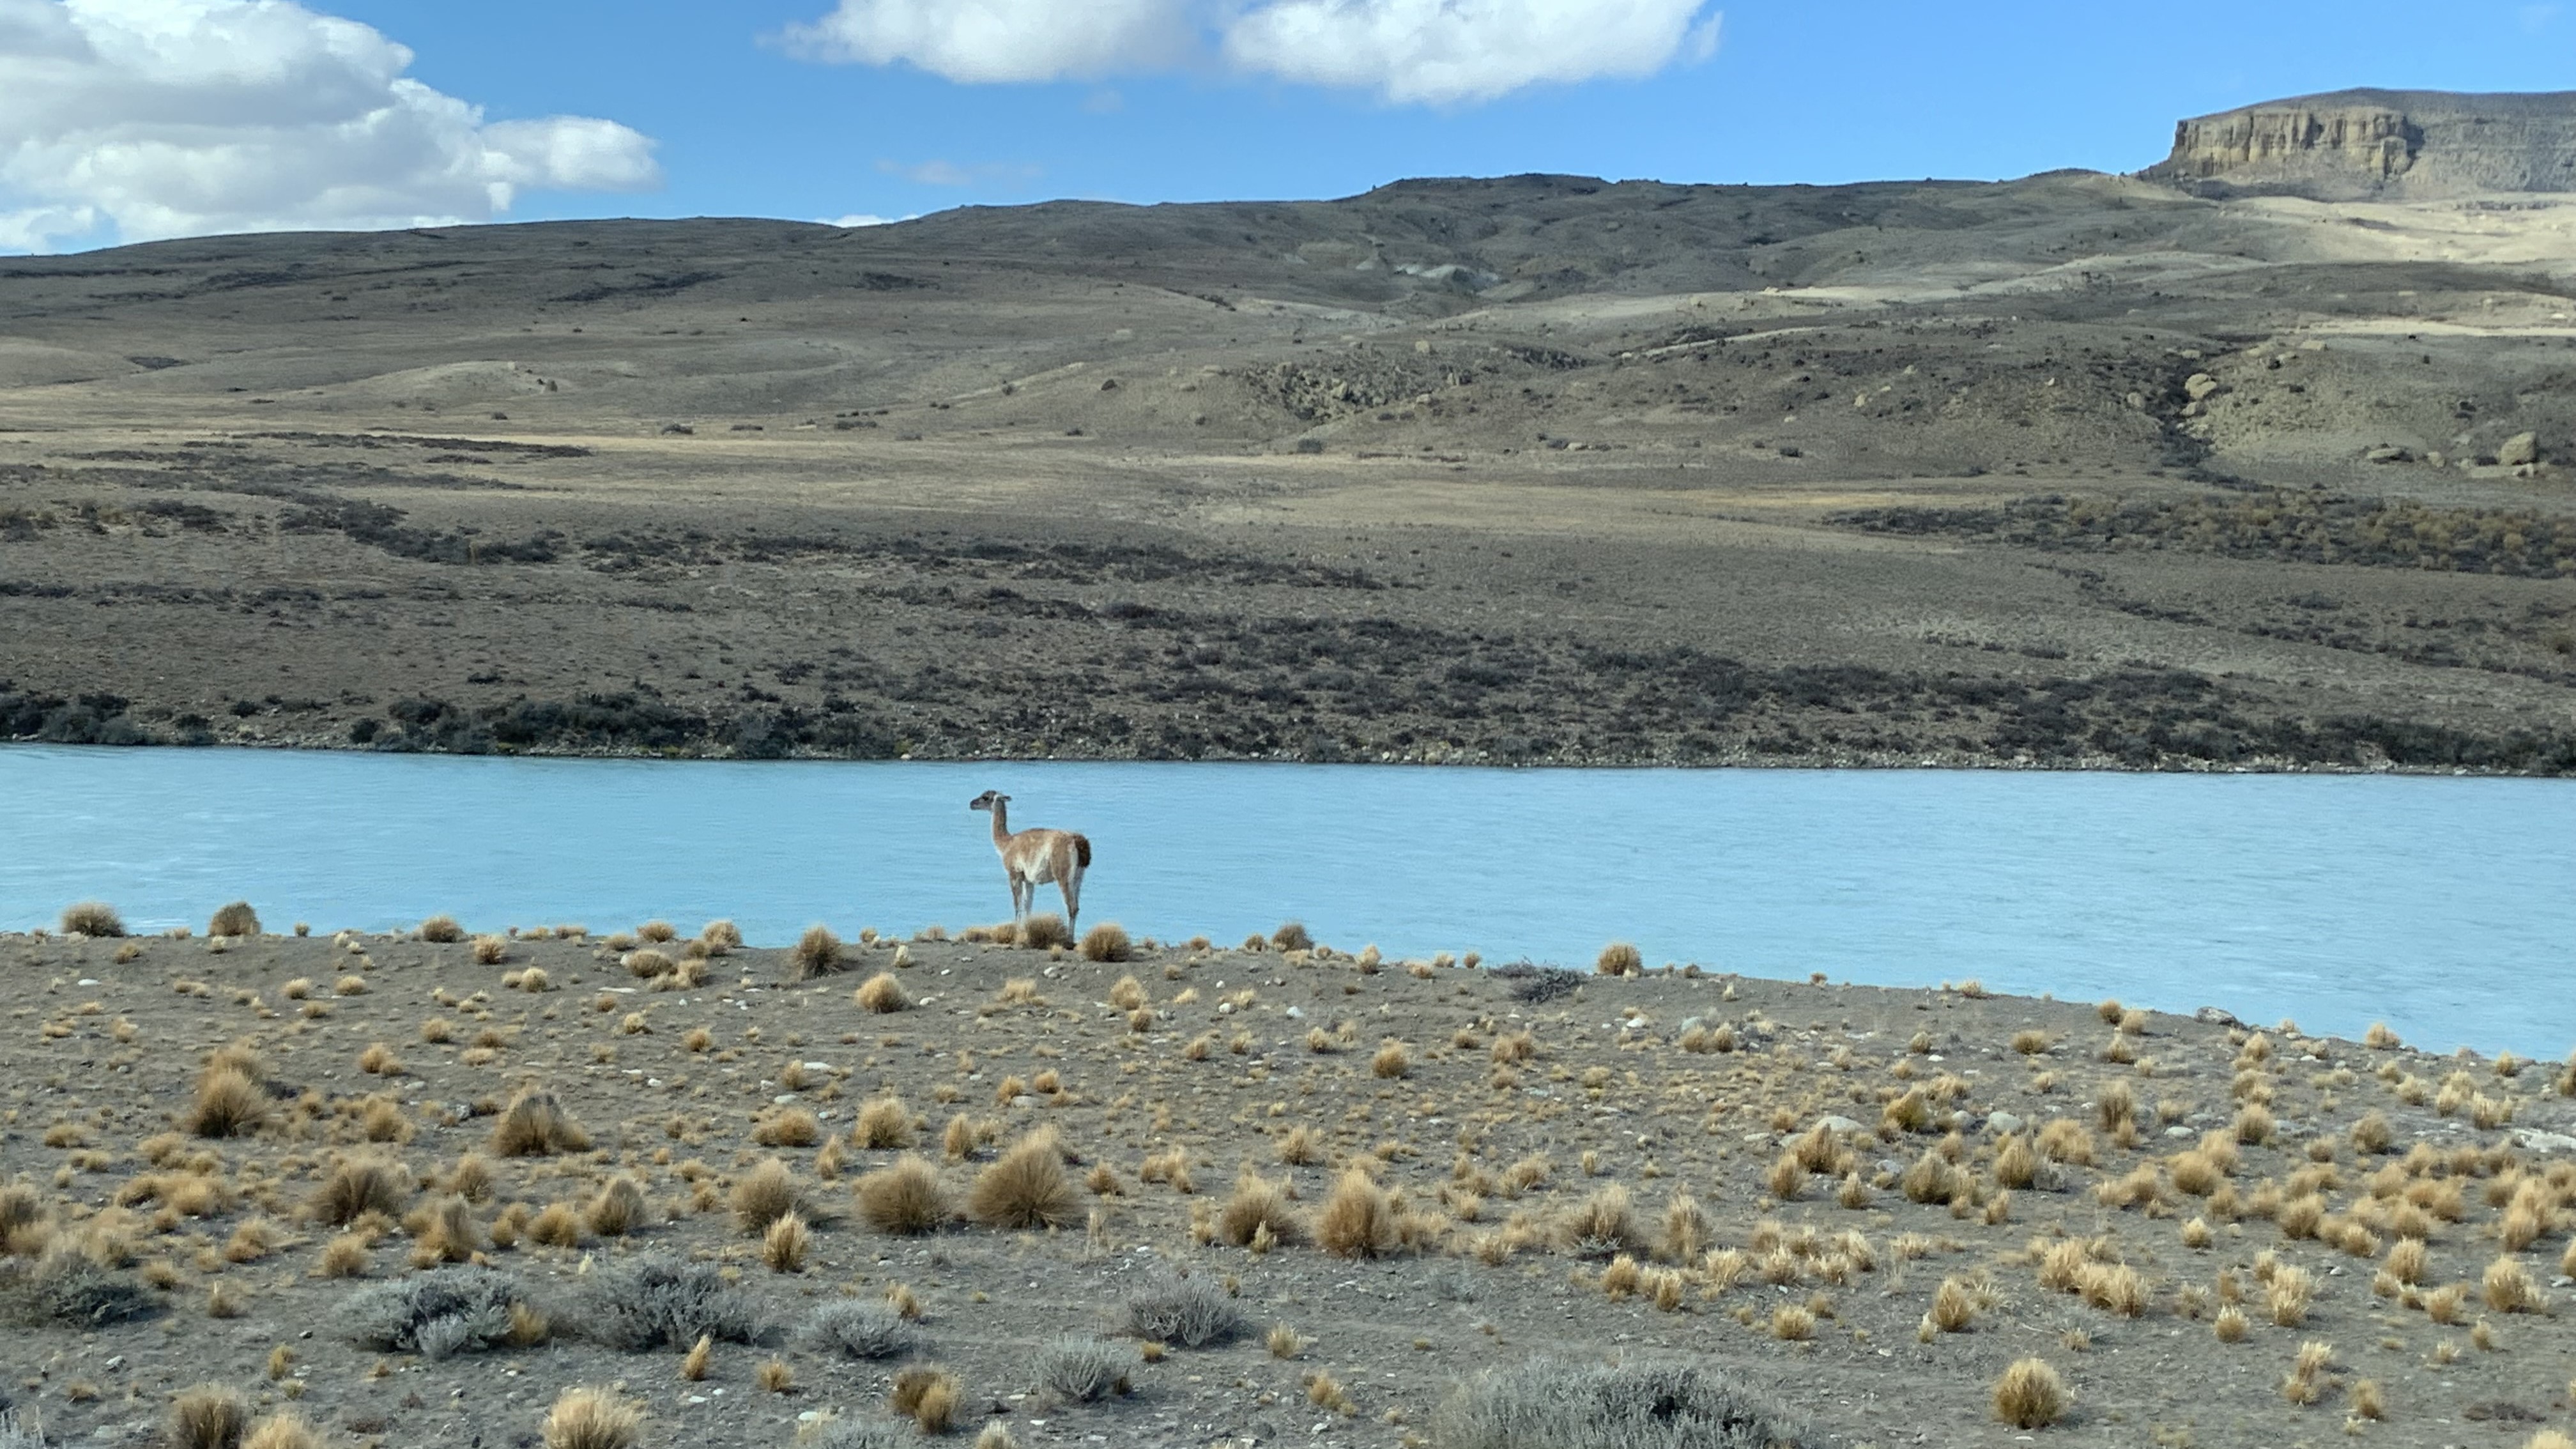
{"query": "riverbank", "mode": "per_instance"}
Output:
(1859, 1205)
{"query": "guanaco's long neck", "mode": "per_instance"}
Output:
(1001, 825)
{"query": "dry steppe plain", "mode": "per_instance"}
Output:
(2077, 470)
(1287, 1194)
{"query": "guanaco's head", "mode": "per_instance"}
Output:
(988, 800)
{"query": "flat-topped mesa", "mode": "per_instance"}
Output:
(2392, 145)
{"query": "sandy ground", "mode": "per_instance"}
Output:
(2230, 1199)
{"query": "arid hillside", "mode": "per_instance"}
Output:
(2073, 470)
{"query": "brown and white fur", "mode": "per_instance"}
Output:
(1031, 858)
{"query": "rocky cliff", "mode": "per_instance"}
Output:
(2412, 145)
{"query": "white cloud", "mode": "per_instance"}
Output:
(1000, 40)
(948, 173)
(1444, 52)
(1436, 52)
(862, 218)
(138, 119)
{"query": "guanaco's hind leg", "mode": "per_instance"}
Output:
(1071, 884)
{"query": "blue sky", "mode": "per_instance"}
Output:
(722, 115)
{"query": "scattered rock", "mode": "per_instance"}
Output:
(2212, 1016)
(2388, 453)
(2199, 386)
(2519, 450)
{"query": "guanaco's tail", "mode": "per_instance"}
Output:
(1082, 851)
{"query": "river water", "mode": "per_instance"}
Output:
(2445, 907)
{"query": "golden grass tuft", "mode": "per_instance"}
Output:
(91, 918)
(442, 929)
(2030, 1395)
(882, 994)
(2507, 1288)
(236, 919)
(286, 1430)
(619, 1208)
(928, 1395)
(1025, 1187)
(536, 1125)
(1358, 1220)
(884, 1122)
(1392, 1061)
(592, 1419)
(1258, 1205)
(789, 1126)
(764, 1195)
(228, 1104)
(357, 1186)
(491, 950)
(208, 1416)
(783, 1247)
(1044, 932)
(345, 1256)
(905, 1199)
(1107, 943)
(818, 953)
(1619, 959)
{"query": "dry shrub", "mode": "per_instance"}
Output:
(2030, 1395)
(1301, 1147)
(555, 1226)
(884, 1122)
(1954, 1306)
(1619, 959)
(92, 918)
(1391, 1061)
(1686, 1229)
(788, 1127)
(237, 919)
(282, 1431)
(1358, 1221)
(1602, 1224)
(228, 1104)
(208, 1416)
(659, 1301)
(858, 1328)
(536, 1125)
(1045, 933)
(357, 1186)
(2507, 1288)
(1191, 1312)
(1025, 1187)
(1084, 1370)
(1107, 943)
(818, 953)
(592, 1419)
(618, 1209)
(491, 950)
(882, 994)
(345, 1256)
(442, 929)
(1641, 1403)
(926, 1394)
(784, 1246)
(1292, 936)
(1259, 1204)
(2288, 1296)
(764, 1195)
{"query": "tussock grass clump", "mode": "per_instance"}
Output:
(1619, 959)
(1602, 1224)
(882, 994)
(1358, 1220)
(2030, 1395)
(208, 1416)
(1259, 1204)
(237, 919)
(442, 929)
(1292, 936)
(91, 918)
(818, 953)
(1045, 932)
(884, 1122)
(1084, 1370)
(928, 1395)
(1107, 943)
(1642, 1404)
(1025, 1187)
(438, 1314)
(359, 1185)
(228, 1104)
(859, 1328)
(619, 1208)
(788, 1127)
(491, 950)
(2507, 1288)
(783, 1247)
(1191, 1312)
(905, 1199)
(660, 1301)
(764, 1195)
(282, 1431)
(1392, 1061)
(592, 1419)
(536, 1125)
